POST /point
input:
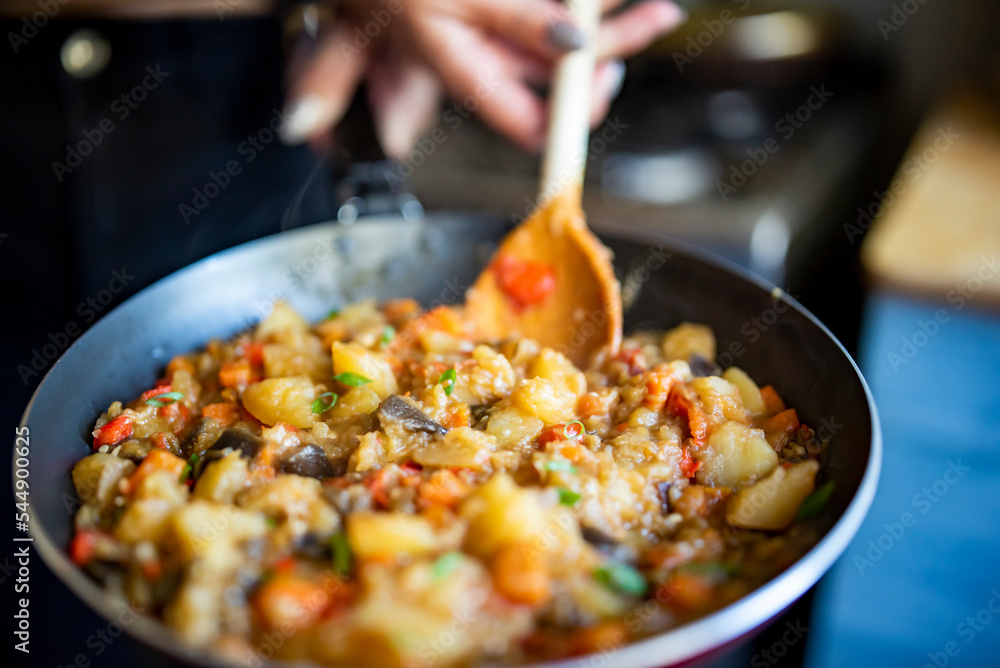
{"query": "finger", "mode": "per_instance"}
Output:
(481, 76)
(323, 85)
(634, 29)
(405, 99)
(607, 83)
(541, 27)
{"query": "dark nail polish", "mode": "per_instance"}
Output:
(565, 36)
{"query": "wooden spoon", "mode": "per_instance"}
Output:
(551, 280)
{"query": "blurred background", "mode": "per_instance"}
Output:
(847, 151)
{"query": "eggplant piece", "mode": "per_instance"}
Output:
(309, 462)
(701, 366)
(230, 439)
(401, 411)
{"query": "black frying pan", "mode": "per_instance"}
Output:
(760, 329)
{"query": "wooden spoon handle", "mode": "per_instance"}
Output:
(569, 114)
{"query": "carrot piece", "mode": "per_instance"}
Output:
(787, 421)
(681, 402)
(237, 373)
(290, 602)
(460, 416)
(605, 637)
(686, 592)
(179, 363)
(113, 432)
(772, 400)
(444, 488)
(83, 547)
(521, 575)
(688, 465)
(223, 413)
(658, 385)
(156, 460)
(254, 352)
(397, 310)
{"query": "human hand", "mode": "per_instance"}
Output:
(488, 53)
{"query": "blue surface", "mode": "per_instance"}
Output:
(906, 602)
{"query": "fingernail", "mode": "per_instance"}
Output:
(616, 77)
(565, 36)
(304, 118)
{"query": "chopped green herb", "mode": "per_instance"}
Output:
(387, 335)
(271, 522)
(447, 380)
(324, 402)
(716, 570)
(164, 399)
(352, 379)
(814, 504)
(333, 313)
(576, 434)
(622, 578)
(193, 459)
(560, 465)
(185, 473)
(568, 497)
(343, 560)
(446, 564)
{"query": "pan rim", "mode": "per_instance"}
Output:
(688, 641)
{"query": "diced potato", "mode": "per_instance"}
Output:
(96, 477)
(734, 455)
(387, 535)
(464, 447)
(544, 399)
(288, 400)
(771, 503)
(294, 498)
(283, 317)
(502, 513)
(355, 401)
(749, 392)
(490, 379)
(222, 479)
(720, 398)
(687, 339)
(436, 341)
(353, 358)
(212, 533)
(284, 360)
(144, 520)
(512, 427)
(552, 365)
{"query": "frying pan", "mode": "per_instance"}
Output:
(433, 260)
